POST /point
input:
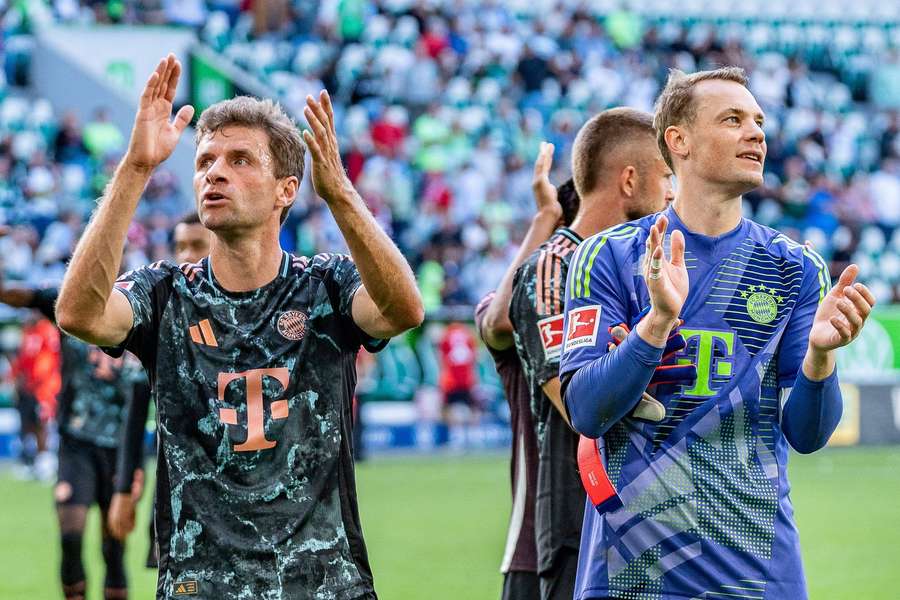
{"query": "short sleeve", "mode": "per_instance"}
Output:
(147, 290)
(535, 311)
(594, 302)
(815, 285)
(342, 280)
(44, 301)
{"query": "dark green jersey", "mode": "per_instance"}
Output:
(536, 313)
(256, 490)
(95, 387)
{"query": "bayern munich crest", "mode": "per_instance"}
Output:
(292, 324)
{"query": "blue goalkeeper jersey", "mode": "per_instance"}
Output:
(707, 511)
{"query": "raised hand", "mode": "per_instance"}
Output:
(328, 175)
(154, 136)
(842, 314)
(667, 279)
(545, 195)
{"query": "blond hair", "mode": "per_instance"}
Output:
(599, 138)
(675, 104)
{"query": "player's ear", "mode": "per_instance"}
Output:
(677, 141)
(287, 190)
(628, 181)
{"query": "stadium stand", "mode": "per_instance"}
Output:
(441, 106)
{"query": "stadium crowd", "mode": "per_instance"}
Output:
(441, 107)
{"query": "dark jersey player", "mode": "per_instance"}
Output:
(91, 404)
(618, 175)
(250, 352)
(191, 243)
(519, 564)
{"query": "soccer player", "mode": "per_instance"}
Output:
(90, 409)
(554, 206)
(191, 240)
(250, 353)
(619, 175)
(706, 507)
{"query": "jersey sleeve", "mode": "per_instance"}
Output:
(147, 290)
(595, 301)
(44, 301)
(342, 280)
(535, 311)
(814, 286)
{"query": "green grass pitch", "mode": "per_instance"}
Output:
(436, 526)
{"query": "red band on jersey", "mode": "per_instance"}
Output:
(596, 482)
(583, 325)
(124, 285)
(551, 330)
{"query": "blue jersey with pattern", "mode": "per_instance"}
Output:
(707, 511)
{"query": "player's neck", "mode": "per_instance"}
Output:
(597, 213)
(247, 263)
(706, 210)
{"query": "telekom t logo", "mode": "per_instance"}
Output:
(256, 434)
(714, 358)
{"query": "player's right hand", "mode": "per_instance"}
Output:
(154, 136)
(120, 519)
(545, 194)
(666, 278)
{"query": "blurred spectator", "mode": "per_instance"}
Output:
(36, 373)
(102, 137)
(458, 357)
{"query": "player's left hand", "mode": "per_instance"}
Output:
(328, 175)
(842, 314)
(545, 193)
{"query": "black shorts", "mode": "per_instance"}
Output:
(86, 473)
(29, 410)
(463, 397)
(521, 585)
(558, 582)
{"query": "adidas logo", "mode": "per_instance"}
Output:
(202, 334)
(186, 588)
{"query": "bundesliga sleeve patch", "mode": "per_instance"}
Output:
(583, 325)
(551, 330)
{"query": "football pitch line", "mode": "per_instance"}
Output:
(435, 528)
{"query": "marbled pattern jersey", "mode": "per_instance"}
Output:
(95, 386)
(256, 491)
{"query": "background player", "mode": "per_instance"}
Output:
(618, 175)
(251, 354)
(90, 410)
(554, 206)
(191, 241)
(706, 508)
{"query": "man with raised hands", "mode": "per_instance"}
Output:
(706, 511)
(250, 353)
(555, 206)
(619, 175)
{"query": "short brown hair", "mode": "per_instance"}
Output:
(602, 135)
(676, 106)
(285, 143)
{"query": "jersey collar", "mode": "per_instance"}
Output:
(706, 247)
(282, 272)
